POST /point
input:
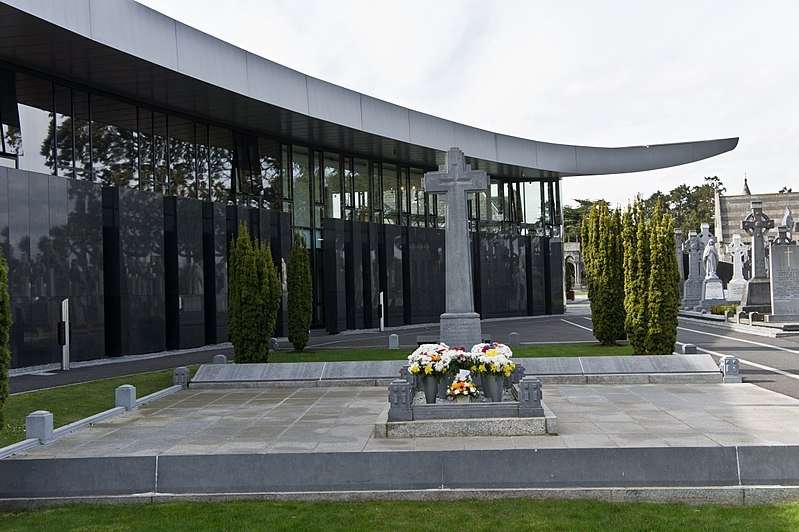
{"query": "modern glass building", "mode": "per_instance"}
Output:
(133, 146)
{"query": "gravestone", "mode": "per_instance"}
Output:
(460, 324)
(784, 279)
(692, 289)
(735, 288)
(704, 237)
(757, 294)
(712, 287)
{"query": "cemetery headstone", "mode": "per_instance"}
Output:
(784, 280)
(393, 341)
(735, 288)
(712, 287)
(757, 294)
(692, 289)
(459, 324)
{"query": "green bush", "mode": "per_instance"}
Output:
(722, 310)
(246, 301)
(269, 285)
(664, 293)
(5, 330)
(299, 294)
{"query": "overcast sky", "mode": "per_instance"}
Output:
(592, 73)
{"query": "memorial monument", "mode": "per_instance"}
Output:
(692, 289)
(736, 286)
(460, 324)
(712, 287)
(784, 279)
(757, 294)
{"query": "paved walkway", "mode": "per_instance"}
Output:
(300, 419)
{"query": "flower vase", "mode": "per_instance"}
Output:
(461, 399)
(493, 386)
(430, 387)
(443, 384)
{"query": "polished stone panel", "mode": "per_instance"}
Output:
(185, 288)
(335, 279)
(503, 275)
(536, 286)
(371, 274)
(392, 256)
(556, 276)
(426, 254)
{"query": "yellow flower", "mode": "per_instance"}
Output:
(481, 368)
(494, 368)
(473, 367)
(428, 369)
(491, 353)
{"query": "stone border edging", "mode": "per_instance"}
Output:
(628, 469)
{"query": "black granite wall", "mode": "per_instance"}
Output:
(133, 246)
(51, 235)
(392, 247)
(334, 236)
(426, 262)
(276, 229)
(215, 272)
(536, 285)
(555, 272)
(370, 244)
(353, 245)
(503, 275)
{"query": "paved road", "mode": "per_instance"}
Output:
(769, 354)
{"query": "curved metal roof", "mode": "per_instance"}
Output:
(135, 51)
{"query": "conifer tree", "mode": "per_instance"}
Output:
(269, 285)
(631, 294)
(299, 294)
(245, 300)
(639, 321)
(663, 294)
(604, 271)
(5, 330)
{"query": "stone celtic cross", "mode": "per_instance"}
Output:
(737, 250)
(460, 324)
(756, 224)
(455, 179)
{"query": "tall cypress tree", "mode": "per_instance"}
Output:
(269, 291)
(663, 293)
(245, 300)
(606, 274)
(299, 294)
(5, 330)
(640, 318)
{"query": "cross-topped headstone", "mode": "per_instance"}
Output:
(692, 289)
(756, 224)
(460, 325)
(455, 179)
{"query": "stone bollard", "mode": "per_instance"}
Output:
(180, 376)
(39, 425)
(730, 369)
(400, 396)
(514, 339)
(274, 345)
(125, 396)
(688, 349)
(393, 341)
(219, 359)
(530, 397)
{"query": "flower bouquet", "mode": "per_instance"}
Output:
(493, 362)
(462, 389)
(430, 361)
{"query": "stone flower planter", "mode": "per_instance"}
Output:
(493, 386)
(430, 388)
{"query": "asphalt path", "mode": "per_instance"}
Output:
(772, 363)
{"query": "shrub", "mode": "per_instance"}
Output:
(299, 294)
(269, 285)
(722, 310)
(664, 292)
(245, 301)
(5, 330)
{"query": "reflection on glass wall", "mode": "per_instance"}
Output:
(269, 157)
(63, 131)
(32, 140)
(203, 180)
(181, 158)
(332, 177)
(416, 198)
(361, 187)
(220, 147)
(301, 179)
(160, 152)
(532, 203)
(81, 128)
(390, 194)
(114, 142)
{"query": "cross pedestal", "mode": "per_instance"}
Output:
(757, 294)
(736, 285)
(460, 324)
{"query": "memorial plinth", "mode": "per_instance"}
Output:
(757, 294)
(460, 324)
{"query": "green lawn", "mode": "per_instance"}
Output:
(74, 402)
(526, 351)
(504, 514)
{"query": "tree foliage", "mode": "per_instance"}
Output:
(299, 294)
(253, 297)
(5, 331)
(663, 293)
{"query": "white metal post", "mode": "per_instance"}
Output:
(65, 347)
(382, 313)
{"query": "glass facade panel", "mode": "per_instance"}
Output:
(362, 188)
(203, 181)
(160, 153)
(390, 194)
(332, 177)
(220, 146)
(301, 181)
(114, 142)
(32, 141)
(146, 150)
(532, 203)
(83, 139)
(181, 158)
(269, 160)
(63, 132)
(417, 198)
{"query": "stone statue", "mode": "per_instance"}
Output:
(710, 258)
